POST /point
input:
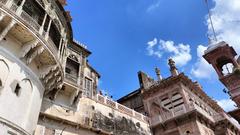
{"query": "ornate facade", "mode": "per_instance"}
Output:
(47, 86)
(178, 106)
(223, 59)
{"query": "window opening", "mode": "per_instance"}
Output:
(17, 89)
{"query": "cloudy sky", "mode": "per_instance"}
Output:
(127, 36)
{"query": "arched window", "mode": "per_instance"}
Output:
(17, 89)
(73, 57)
(72, 68)
(225, 65)
(227, 69)
(187, 132)
(25, 85)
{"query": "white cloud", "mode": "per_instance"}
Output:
(180, 53)
(151, 48)
(226, 20)
(227, 104)
(202, 69)
(154, 6)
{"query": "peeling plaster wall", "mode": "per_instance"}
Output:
(93, 115)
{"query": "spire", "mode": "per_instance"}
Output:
(158, 73)
(173, 68)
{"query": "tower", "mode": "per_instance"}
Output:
(222, 57)
(33, 40)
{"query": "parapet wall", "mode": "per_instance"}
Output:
(100, 115)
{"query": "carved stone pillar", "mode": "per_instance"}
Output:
(48, 29)
(9, 3)
(20, 8)
(59, 48)
(43, 23)
(7, 29)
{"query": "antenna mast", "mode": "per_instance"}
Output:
(210, 18)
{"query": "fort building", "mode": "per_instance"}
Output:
(48, 87)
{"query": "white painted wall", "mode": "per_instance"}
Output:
(22, 110)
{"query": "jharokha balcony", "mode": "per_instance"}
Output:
(42, 29)
(187, 109)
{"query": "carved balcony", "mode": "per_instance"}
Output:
(72, 78)
(179, 112)
(35, 40)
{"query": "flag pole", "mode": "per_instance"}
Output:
(210, 18)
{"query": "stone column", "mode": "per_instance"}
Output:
(9, 3)
(59, 47)
(20, 8)
(62, 53)
(63, 46)
(43, 23)
(48, 29)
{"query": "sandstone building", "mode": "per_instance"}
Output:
(223, 59)
(47, 86)
(178, 106)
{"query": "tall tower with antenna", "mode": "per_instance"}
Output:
(223, 59)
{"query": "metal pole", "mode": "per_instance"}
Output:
(210, 17)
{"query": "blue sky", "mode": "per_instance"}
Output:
(127, 36)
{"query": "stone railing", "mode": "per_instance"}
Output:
(171, 114)
(31, 23)
(177, 112)
(53, 46)
(79, 43)
(71, 77)
(14, 7)
(223, 116)
(121, 108)
(30, 20)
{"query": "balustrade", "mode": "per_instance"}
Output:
(31, 23)
(52, 45)
(14, 7)
(71, 77)
(177, 112)
(121, 108)
(30, 20)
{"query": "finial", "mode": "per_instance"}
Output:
(173, 67)
(158, 72)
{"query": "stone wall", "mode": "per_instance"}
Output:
(93, 116)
